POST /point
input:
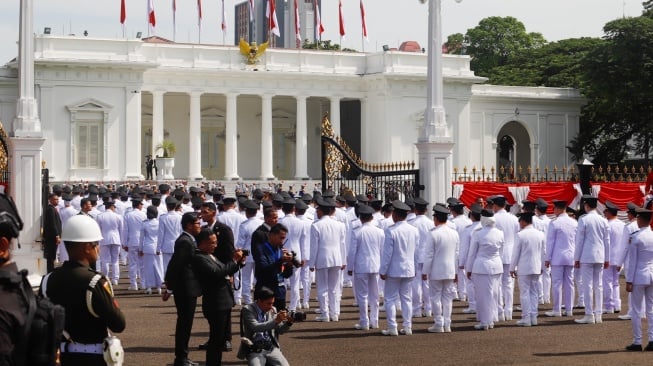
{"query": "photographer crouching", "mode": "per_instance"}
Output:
(260, 326)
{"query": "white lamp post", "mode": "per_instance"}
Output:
(435, 146)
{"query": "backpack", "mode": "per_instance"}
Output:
(43, 330)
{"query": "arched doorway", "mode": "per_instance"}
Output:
(513, 150)
(4, 158)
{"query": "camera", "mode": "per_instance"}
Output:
(245, 252)
(297, 316)
(296, 262)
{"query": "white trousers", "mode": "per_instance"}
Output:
(166, 259)
(134, 263)
(293, 288)
(578, 279)
(528, 295)
(152, 270)
(367, 295)
(442, 293)
(592, 277)
(562, 278)
(611, 296)
(487, 288)
(463, 285)
(471, 293)
(398, 288)
(109, 254)
(544, 285)
(328, 288)
(642, 293)
(420, 292)
(305, 281)
(247, 277)
(507, 291)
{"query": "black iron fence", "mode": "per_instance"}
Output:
(610, 173)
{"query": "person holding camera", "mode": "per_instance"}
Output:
(272, 265)
(260, 326)
(217, 295)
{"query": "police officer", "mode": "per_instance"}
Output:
(86, 295)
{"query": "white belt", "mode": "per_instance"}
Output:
(96, 349)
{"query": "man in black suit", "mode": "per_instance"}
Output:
(260, 235)
(272, 265)
(181, 280)
(217, 295)
(51, 230)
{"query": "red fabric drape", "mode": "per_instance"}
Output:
(485, 189)
(552, 191)
(621, 193)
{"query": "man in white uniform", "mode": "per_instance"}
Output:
(133, 227)
(297, 240)
(465, 241)
(112, 228)
(169, 230)
(611, 290)
(398, 269)
(591, 256)
(421, 303)
(560, 245)
(509, 225)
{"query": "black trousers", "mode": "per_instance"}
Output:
(185, 314)
(217, 320)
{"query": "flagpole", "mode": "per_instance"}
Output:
(363, 42)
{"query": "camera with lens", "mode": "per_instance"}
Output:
(297, 316)
(295, 261)
(245, 252)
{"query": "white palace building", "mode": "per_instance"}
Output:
(104, 104)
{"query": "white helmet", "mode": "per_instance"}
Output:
(81, 229)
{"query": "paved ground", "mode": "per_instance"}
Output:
(148, 339)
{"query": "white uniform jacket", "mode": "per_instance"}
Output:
(424, 225)
(112, 228)
(592, 239)
(233, 219)
(617, 247)
(398, 253)
(133, 226)
(149, 232)
(365, 250)
(509, 225)
(640, 268)
(560, 241)
(440, 253)
(297, 238)
(528, 252)
(485, 251)
(169, 231)
(328, 243)
(465, 241)
(245, 231)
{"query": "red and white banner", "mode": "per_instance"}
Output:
(364, 21)
(319, 28)
(297, 25)
(151, 18)
(123, 13)
(251, 10)
(271, 14)
(224, 18)
(341, 20)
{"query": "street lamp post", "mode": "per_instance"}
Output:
(435, 146)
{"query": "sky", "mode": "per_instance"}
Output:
(388, 22)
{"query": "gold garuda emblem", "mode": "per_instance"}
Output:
(251, 51)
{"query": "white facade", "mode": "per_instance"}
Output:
(104, 103)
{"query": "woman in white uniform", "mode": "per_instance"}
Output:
(152, 260)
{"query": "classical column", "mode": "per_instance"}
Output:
(195, 138)
(301, 145)
(27, 122)
(266, 137)
(334, 116)
(157, 120)
(231, 139)
(133, 154)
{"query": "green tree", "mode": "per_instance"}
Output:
(618, 82)
(321, 45)
(495, 39)
(456, 44)
(648, 8)
(555, 64)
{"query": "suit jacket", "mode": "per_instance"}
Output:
(251, 324)
(180, 276)
(259, 237)
(51, 229)
(225, 250)
(212, 275)
(440, 254)
(528, 252)
(327, 243)
(561, 241)
(398, 254)
(267, 267)
(592, 239)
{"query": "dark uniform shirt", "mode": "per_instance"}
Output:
(67, 287)
(13, 310)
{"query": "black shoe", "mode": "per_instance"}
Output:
(634, 347)
(227, 346)
(203, 346)
(186, 362)
(649, 347)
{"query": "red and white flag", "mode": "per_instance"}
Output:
(151, 18)
(224, 18)
(341, 20)
(297, 25)
(123, 13)
(271, 14)
(251, 10)
(199, 13)
(364, 21)
(319, 28)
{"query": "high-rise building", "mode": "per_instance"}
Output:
(257, 30)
